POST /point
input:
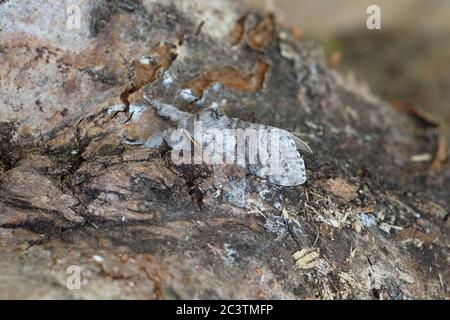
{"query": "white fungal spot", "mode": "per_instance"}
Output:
(216, 87)
(115, 108)
(97, 258)
(167, 79)
(187, 95)
(275, 225)
(136, 111)
(145, 60)
(368, 220)
(278, 205)
(230, 256)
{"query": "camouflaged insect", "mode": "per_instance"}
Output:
(285, 168)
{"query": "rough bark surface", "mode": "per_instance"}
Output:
(369, 223)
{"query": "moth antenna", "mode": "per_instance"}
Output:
(196, 144)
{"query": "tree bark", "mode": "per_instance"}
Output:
(369, 223)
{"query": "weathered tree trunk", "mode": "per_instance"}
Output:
(368, 223)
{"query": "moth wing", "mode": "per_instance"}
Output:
(301, 145)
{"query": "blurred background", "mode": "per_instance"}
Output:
(406, 62)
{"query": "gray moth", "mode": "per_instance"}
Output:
(267, 152)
